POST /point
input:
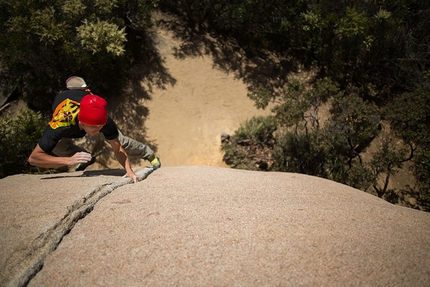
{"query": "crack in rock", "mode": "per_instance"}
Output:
(25, 264)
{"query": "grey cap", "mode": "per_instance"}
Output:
(75, 82)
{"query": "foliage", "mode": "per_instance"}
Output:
(45, 42)
(251, 144)
(409, 116)
(18, 137)
(386, 162)
(296, 152)
(102, 35)
(422, 173)
(355, 120)
(331, 148)
(257, 130)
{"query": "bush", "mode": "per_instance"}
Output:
(296, 153)
(250, 146)
(18, 136)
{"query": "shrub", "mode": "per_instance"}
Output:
(18, 136)
(250, 146)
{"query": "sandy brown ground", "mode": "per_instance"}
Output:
(187, 120)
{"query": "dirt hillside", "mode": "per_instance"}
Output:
(186, 119)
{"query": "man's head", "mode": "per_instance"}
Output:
(93, 114)
(75, 82)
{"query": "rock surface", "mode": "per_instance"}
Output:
(205, 226)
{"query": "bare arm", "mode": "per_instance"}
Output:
(41, 159)
(122, 158)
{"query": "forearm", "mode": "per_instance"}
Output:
(41, 159)
(49, 161)
(123, 159)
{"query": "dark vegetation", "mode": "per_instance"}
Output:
(359, 119)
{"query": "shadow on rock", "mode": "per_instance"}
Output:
(90, 173)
